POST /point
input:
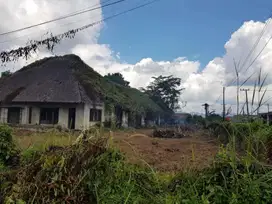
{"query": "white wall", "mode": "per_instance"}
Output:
(125, 119)
(25, 115)
(99, 107)
(79, 124)
(35, 118)
(142, 120)
(63, 117)
(82, 114)
(3, 115)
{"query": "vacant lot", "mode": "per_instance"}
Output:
(193, 151)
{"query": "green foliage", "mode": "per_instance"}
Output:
(6, 73)
(214, 117)
(98, 87)
(85, 173)
(7, 146)
(91, 172)
(117, 78)
(29, 155)
(165, 90)
(195, 119)
(251, 137)
(229, 181)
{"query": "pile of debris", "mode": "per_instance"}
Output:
(188, 128)
(168, 133)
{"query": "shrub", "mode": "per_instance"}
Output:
(85, 173)
(7, 146)
(230, 180)
(254, 138)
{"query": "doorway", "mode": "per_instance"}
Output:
(14, 115)
(72, 118)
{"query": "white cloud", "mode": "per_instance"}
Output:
(201, 85)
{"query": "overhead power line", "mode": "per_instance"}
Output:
(240, 68)
(61, 18)
(256, 42)
(13, 55)
(257, 56)
(56, 26)
(84, 9)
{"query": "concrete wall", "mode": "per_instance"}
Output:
(125, 119)
(3, 115)
(25, 115)
(35, 118)
(63, 117)
(87, 113)
(82, 114)
(142, 120)
(79, 124)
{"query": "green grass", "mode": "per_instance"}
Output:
(42, 140)
(96, 172)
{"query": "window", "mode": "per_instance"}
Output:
(49, 116)
(95, 115)
(14, 115)
(30, 115)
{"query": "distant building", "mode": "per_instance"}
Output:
(264, 116)
(180, 118)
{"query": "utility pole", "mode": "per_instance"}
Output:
(237, 87)
(206, 107)
(267, 116)
(246, 90)
(224, 105)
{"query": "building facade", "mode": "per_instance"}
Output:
(64, 91)
(72, 116)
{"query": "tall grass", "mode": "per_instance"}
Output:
(95, 172)
(42, 140)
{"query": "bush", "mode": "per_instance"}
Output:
(85, 173)
(90, 172)
(230, 180)
(254, 137)
(7, 146)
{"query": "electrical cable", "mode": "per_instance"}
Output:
(61, 18)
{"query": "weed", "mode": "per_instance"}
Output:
(7, 146)
(95, 172)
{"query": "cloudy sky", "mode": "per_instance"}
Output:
(198, 42)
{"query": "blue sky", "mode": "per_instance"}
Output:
(163, 31)
(173, 28)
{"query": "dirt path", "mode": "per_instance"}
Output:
(166, 154)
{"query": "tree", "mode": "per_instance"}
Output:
(195, 119)
(117, 78)
(214, 117)
(6, 73)
(165, 90)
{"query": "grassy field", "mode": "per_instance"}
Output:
(167, 155)
(132, 167)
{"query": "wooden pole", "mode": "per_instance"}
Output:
(246, 90)
(267, 116)
(224, 105)
(247, 103)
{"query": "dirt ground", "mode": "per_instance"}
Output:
(191, 152)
